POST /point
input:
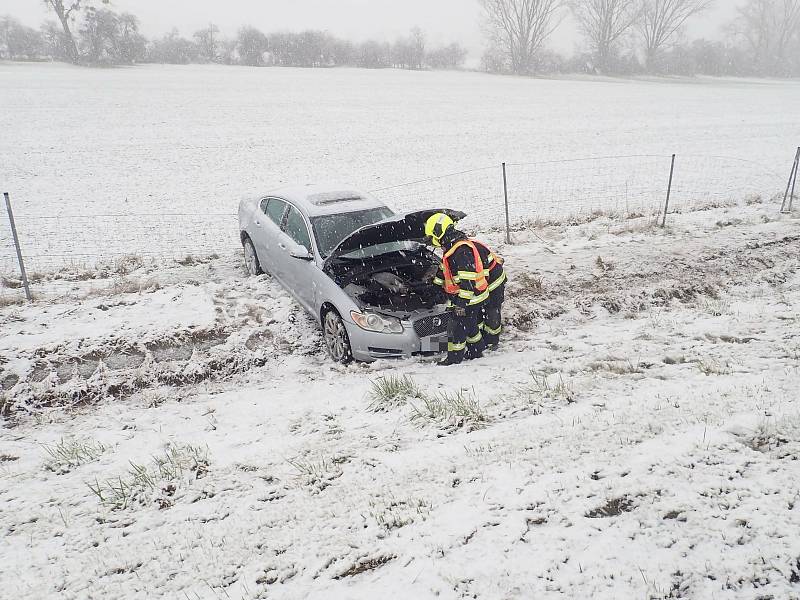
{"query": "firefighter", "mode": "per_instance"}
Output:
(474, 280)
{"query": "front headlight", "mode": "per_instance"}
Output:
(377, 323)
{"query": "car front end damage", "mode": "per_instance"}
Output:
(400, 312)
(423, 333)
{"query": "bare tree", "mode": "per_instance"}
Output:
(448, 57)
(6, 46)
(173, 49)
(605, 22)
(18, 41)
(53, 41)
(66, 13)
(131, 45)
(207, 43)
(521, 27)
(374, 55)
(769, 27)
(417, 41)
(252, 45)
(659, 21)
(99, 35)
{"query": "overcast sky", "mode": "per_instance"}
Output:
(443, 20)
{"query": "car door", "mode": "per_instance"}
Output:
(300, 274)
(267, 223)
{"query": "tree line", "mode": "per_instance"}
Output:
(629, 37)
(619, 37)
(90, 34)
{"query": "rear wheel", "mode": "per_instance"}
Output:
(337, 342)
(251, 259)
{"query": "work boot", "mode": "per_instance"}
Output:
(491, 340)
(451, 359)
(474, 353)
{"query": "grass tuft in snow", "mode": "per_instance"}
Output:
(391, 391)
(364, 565)
(792, 352)
(712, 367)
(543, 392)
(616, 366)
(450, 410)
(533, 285)
(604, 265)
(542, 384)
(70, 453)
(612, 508)
(781, 437)
(124, 265)
(155, 482)
(5, 405)
(716, 307)
(133, 285)
(190, 259)
(7, 300)
(317, 474)
(394, 513)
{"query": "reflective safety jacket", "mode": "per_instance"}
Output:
(469, 272)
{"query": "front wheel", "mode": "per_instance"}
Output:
(251, 259)
(337, 342)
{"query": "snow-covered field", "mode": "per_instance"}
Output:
(637, 436)
(156, 158)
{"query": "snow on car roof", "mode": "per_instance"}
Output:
(333, 197)
(326, 199)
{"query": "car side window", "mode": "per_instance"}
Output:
(296, 228)
(274, 209)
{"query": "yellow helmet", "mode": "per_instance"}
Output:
(436, 226)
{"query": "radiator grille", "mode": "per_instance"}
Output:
(432, 325)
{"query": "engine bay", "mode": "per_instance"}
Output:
(397, 282)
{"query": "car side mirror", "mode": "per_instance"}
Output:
(301, 253)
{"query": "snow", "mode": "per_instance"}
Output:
(180, 308)
(678, 354)
(156, 158)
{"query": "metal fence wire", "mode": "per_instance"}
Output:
(52, 242)
(538, 192)
(617, 186)
(575, 189)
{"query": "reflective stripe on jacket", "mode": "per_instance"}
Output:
(469, 272)
(479, 275)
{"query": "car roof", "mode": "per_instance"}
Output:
(325, 199)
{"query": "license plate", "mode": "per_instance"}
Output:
(434, 343)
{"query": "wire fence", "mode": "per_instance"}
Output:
(83, 241)
(538, 192)
(566, 190)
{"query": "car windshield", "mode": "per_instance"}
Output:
(385, 248)
(330, 230)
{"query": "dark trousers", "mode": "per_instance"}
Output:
(492, 316)
(464, 334)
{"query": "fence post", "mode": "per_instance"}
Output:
(505, 196)
(17, 246)
(789, 195)
(669, 192)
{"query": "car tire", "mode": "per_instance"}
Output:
(337, 342)
(251, 263)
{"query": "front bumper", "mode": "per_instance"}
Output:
(368, 346)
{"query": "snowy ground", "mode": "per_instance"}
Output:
(637, 436)
(179, 146)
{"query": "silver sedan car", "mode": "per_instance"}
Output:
(358, 269)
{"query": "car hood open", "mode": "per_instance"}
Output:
(399, 228)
